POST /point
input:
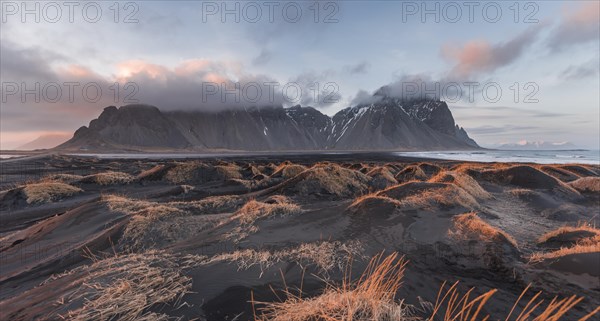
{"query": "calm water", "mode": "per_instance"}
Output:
(519, 156)
(5, 156)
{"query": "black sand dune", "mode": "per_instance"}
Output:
(202, 238)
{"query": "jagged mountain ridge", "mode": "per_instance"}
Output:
(389, 124)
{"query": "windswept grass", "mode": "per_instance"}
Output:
(586, 245)
(199, 173)
(252, 211)
(155, 224)
(276, 206)
(381, 177)
(587, 184)
(430, 196)
(288, 170)
(47, 192)
(567, 232)
(123, 287)
(331, 179)
(373, 298)
(451, 305)
(62, 178)
(469, 226)
(463, 181)
(324, 255)
(108, 178)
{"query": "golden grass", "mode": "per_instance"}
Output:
(324, 255)
(253, 210)
(587, 184)
(332, 179)
(464, 307)
(124, 287)
(432, 199)
(463, 181)
(586, 245)
(372, 297)
(47, 192)
(381, 177)
(565, 230)
(154, 224)
(410, 173)
(469, 226)
(62, 178)
(108, 178)
(373, 197)
(288, 170)
(198, 173)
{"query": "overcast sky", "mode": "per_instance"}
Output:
(543, 56)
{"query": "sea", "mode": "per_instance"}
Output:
(579, 156)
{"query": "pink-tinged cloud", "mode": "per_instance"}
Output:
(480, 56)
(77, 71)
(127, 69)
(578, 25)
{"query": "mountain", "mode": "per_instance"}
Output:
(45, 141)
(388, 124)
(541, 145)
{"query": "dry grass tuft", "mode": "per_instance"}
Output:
(586, 184)
(373, 204)
(567, 233)
(276, 206)
(381, 177)
(431, 196)
(583, 246)
(411, 173)
(372, 297)
(463, 181)
(156, 224)
(372, 198)
(469, 226)
(324, 255)
(47, 192)
(331, 179)
(62, 178)
(288, 170)
(465, 307)
(108, 178)
(200, 173)
(124, 287)
(252, 211)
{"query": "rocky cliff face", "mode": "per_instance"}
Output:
(389, 124)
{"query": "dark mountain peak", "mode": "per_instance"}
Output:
(387, 124)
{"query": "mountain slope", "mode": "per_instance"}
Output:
(389, 124)
(45, 141)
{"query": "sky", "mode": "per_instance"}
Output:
(510, 71)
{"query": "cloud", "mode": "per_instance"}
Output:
(493, 130)
(412, 86)
(497, 112)
(264, 57)
(578, 26)
(480, 56)
(360, 68)
(318, 89)
(585, 70)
